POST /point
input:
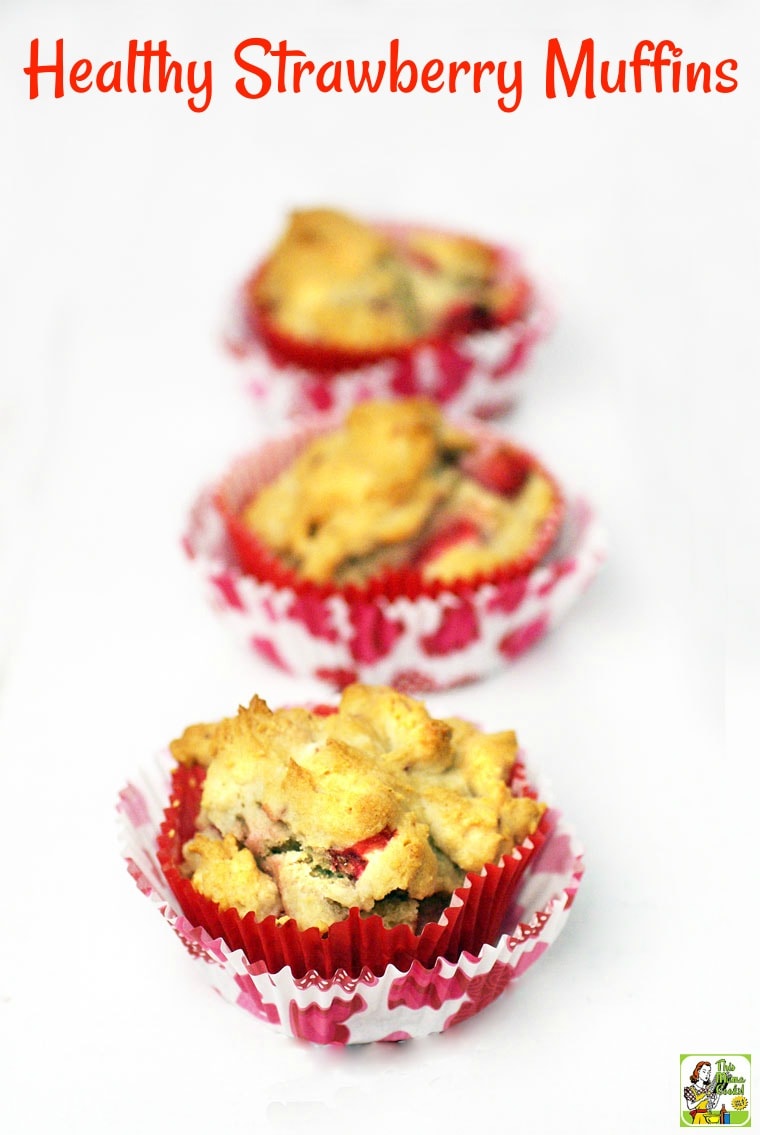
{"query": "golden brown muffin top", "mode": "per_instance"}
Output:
(379, 490)
(336, 281)
(378, 799)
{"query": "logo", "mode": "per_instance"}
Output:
(715, 1090)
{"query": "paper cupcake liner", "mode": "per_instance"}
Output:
(413, 636)
(476, 374)
(396, 1003)
(358, 943)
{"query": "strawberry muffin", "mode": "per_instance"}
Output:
(342, 309)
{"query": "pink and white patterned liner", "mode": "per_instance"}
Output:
(415, 643)
(343, 1010)
(479, 374)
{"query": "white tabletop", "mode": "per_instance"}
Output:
(126, 220)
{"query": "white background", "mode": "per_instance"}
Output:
(126, 220)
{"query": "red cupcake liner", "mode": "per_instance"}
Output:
(474, 917)
(400, 1004)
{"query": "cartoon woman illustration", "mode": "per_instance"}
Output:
(701, 1097)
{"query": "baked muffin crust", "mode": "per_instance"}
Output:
(336, 281)
(379, 492)
(376, 806)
